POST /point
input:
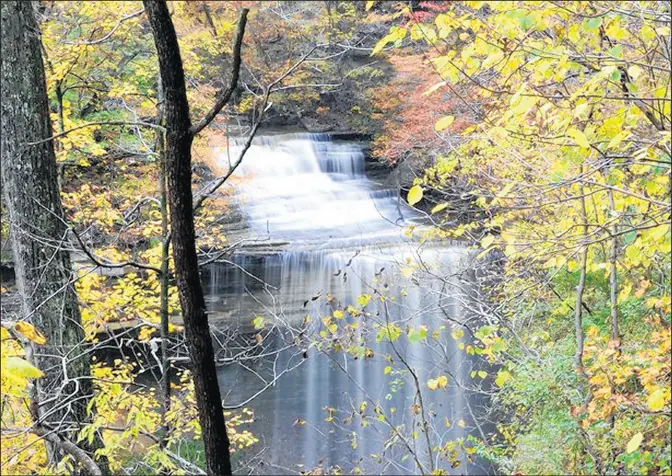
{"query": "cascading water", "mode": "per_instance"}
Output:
(346, 238)
(308, 188)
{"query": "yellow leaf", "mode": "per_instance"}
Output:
(407, 272)
(29, 332)
(18, 367)
(656, 400)
(663, 31)
(338, 314)
(502, 377)
(634, 71)
(616, 140)
(579, 137)
(503, 192)
(634, 443)
(444, 123)
(498, 134)
(434, 88)
(369, 5)
(439, 207)
(258, 322)
(524, 105)
(487, 241)
(442, 381)
(387, 370)
(432, 384)
(364, 299)
(492, 59)
(482, 373)
(580, 109)
(414, 195)
(632, 253)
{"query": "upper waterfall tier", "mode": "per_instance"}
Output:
(305, 187)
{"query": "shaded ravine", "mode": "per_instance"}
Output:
(346, 238)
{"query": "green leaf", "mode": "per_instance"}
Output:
(592, 24)
(616, 51)
(417, 335)
(414, 195)
(630, 237)
(444, 123)
(526, 21)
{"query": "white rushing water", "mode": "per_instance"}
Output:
(346, 238)
(304, 187)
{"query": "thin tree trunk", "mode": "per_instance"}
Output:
(578, 314)
(178, 139)
(613, 276)
(61, 129)
(39, 235)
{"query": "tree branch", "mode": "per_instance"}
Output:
(98, 262)
(91, 124)
(225, 95)
(69, 447)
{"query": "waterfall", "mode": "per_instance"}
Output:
(304, 187)
(346, 236)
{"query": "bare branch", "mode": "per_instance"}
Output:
(69, 447)
(91, 124)
(107, 36)
(235, 73)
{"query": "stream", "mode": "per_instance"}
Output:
(346, 236)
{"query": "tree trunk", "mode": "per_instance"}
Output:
(178, 140)
(613, 274)
(578, 315)
(43, 270)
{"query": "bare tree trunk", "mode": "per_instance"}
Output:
(179, 137)
(578, 315)
(613, 276)
(39, 235)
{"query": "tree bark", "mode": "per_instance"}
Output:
(43, 270)
(178, 139)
